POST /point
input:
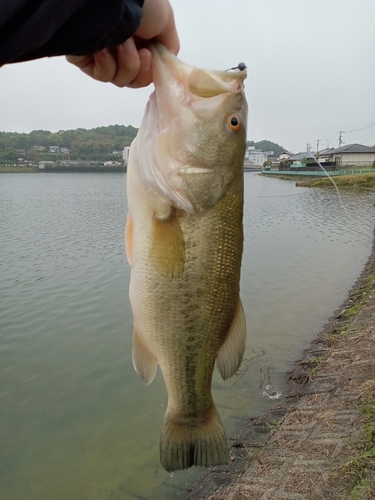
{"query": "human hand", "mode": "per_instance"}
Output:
(127, 65)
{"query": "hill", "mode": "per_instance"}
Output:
(94, 144)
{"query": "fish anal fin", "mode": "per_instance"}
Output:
(167, 246)
(183, 445)
(145, 364)
(129, 239)
(229, 357)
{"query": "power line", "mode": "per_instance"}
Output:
(359, 129)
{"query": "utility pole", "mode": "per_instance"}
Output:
(340, 138)
(317, 148)
(308, 146)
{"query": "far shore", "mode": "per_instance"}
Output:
(342, 181)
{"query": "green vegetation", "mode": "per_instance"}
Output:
(353, 180)
(98, 144)
(17, 168)
(361, 465)
(267, 146)
(94, 144)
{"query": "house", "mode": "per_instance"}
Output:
(285, 155)
(255, 156)
(351, 155)
(54, 149)
(112, 163)
(64, 151)
(44, 164)
(125, 154)
(323, 154)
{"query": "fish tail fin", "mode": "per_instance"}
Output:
(183, 445)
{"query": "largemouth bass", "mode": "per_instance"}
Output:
(184, 241)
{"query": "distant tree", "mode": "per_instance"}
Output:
(8, 155)
(97, 143)
(55, 140)
(266, 145)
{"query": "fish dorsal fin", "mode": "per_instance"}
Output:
(167, 246)
(229, 357)
(145, 364)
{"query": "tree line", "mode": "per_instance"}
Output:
(80, 144)
(267, 146)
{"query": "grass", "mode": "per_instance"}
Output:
(363, 490)
(352, 180)
(19, 169)
(361, 465)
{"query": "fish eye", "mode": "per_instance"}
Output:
(233, 122)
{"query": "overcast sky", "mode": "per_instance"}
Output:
(311, 73)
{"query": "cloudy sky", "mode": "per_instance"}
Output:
(311, 73)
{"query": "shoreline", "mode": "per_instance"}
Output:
(316, 443)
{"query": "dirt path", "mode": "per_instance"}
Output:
(318, 444)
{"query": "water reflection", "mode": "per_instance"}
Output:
(75, 420)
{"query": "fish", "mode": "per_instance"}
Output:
(184, 244)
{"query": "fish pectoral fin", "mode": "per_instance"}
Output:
(167, 246)
(229, 357)
(129, 239)
(145, 364)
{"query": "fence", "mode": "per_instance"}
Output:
(321, 173)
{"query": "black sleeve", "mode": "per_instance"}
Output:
(30, 29)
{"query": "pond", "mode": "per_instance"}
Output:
(75, 419)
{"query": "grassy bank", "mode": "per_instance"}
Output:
(352, 181)
(13, 170)
(319, 442)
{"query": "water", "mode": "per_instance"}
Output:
(75, 420)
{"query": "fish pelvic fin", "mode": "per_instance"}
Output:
(229, 357)
(167, 246)
(145, 364)
(183, 445)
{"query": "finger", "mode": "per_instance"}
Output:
(80, 61)
(144, 76)
(169, 37)
(128, 63)
(101, 66)
(104, 67)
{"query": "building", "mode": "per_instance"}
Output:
(351, 155)
(125, 154)
(285, 155)
(44, 164)
(255, 156)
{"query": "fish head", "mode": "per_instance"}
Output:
(192, 140)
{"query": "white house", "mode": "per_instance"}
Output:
(125, 154)
(352, 155)
(255, 156)
(285, 155)
(44, 164)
